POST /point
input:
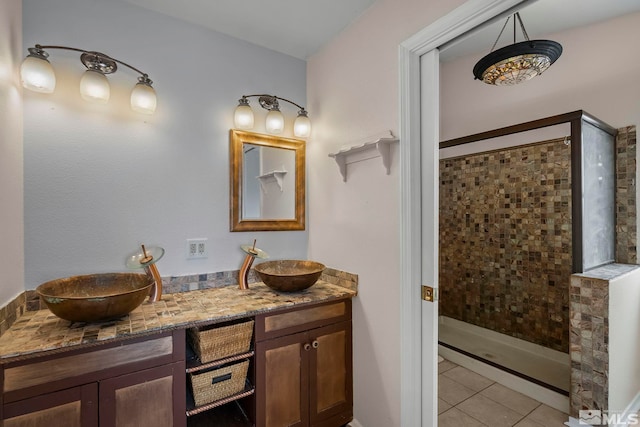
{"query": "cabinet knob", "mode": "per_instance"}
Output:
(307, 347)
(315, 344)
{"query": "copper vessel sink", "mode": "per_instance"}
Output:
(289, 275)
(95, 297)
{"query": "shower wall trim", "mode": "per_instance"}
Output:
(577, 119)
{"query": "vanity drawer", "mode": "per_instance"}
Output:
(285, 322)
(49, 373)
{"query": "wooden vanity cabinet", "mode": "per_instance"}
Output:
(74, 407)
(304, 366)
(138, 382)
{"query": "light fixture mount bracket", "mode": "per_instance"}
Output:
(269, 103)
(38, 52)
(99, 62)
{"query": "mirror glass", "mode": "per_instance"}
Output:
(267, 182)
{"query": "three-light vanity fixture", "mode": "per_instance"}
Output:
(37, 75)
(274, 122)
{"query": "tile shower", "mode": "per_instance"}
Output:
(505, 241)
(506, 237)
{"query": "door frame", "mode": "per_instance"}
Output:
(419, 139)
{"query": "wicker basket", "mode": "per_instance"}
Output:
(221, 342)
(219, 383)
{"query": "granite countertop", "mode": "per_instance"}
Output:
(38, 331)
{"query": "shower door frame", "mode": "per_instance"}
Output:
(576, 120)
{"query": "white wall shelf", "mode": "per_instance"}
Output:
(277, 176)
(375, 146)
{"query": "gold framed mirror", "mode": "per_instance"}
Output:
(267, 182)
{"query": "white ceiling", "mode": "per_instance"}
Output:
(295, 27)
(541, 18)
(301, 27)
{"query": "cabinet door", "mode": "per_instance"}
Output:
(282, 397)
(330, 375)
(75, 407)
(150, 398)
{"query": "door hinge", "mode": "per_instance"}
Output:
(429, 294)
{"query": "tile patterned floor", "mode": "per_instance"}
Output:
(466, 399)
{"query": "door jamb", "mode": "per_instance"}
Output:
(462, 19)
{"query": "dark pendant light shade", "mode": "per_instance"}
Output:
(517, 62)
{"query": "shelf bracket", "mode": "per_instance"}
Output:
(377, 146)
(276, 175)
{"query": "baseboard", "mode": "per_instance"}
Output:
(573, 423)
(632, 408)
(354, 423)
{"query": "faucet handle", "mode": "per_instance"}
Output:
(145, 257)
(253, 251)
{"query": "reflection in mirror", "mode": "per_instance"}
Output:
(267, 182)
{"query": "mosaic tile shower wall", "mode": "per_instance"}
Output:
(505, 241)
(626, 211)
(589, 343)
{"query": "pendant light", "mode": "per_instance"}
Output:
(517, 62)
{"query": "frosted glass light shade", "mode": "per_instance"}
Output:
(37, 75)
(274, 122)
(94, 87)
(243, 117)
(302, 126)
(143, 99)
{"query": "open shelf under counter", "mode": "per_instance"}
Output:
(375, 146)
(194, 365)
(232, 414)
(192, 409)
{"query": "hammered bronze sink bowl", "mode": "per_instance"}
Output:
(95, 297)
(288, 275)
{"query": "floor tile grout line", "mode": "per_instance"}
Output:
(470, 416)
(458, 382)
(466, 413)
(539, 404)
(456, 406)
(522, 417)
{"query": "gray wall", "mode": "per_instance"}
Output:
(101, 179)
(11, 181)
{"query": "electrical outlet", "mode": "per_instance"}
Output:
(196, 248)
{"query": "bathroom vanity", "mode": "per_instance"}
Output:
(134, 371)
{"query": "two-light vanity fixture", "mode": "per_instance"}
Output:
(274, 122)
(37, 75)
